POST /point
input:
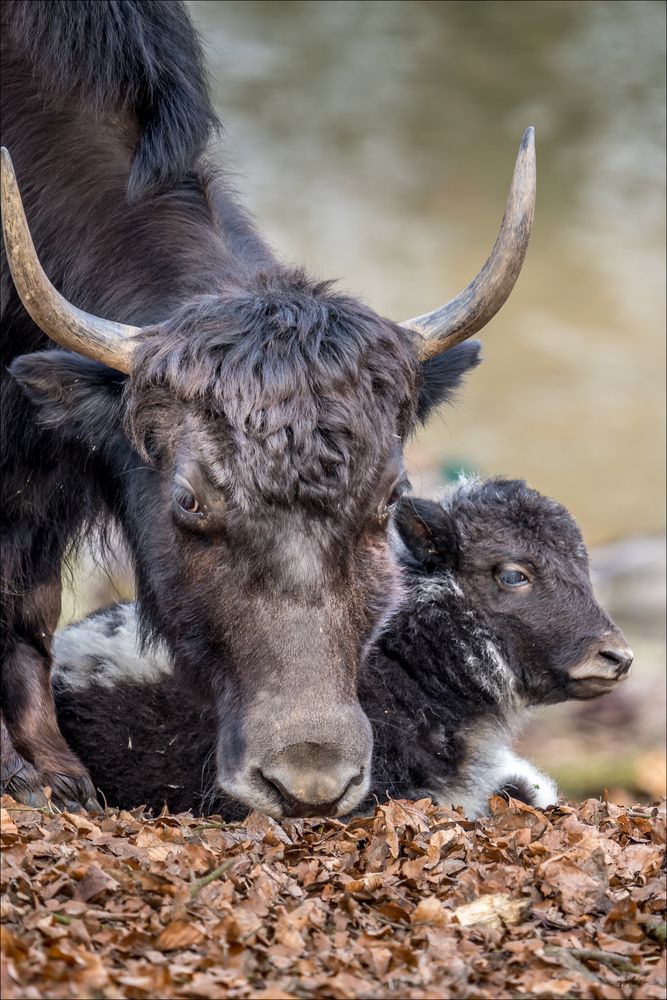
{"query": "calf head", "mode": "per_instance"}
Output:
(518, 559)
(251, 446)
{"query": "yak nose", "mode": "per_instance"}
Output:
(312, 779)
(619, 655)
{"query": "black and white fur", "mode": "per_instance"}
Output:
(446, 687)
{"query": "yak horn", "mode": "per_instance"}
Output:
(68, 326)
(472, 309)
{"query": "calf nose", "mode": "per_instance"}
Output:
(312, 779)
(619, 655)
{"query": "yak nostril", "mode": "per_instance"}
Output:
(311, 784)
(296, 806)
(620, 657)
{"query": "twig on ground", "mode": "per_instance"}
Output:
(197, 884)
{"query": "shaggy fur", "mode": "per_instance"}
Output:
(280, 403)
(446, 686)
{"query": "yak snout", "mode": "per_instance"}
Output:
(314, 779)
(607, 662)
(618, 656)
(310, 766)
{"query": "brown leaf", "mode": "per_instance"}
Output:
(179, 934)
(94, 883)
(8, 829)
(369, 883)
(83, 824)
(577, 890)
(439, 841)
(429, 910)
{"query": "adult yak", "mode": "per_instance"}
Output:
(243, 423)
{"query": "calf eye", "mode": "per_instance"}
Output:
(186, 500)
(512, 577)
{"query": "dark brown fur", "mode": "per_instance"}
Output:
(283, 403)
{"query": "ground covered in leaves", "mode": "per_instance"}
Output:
(413, 902)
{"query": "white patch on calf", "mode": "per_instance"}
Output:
(104, 650)
(465, 484)
(489, 669)
(511, 769)
(432, 589)
(503, 671)
(489, 765)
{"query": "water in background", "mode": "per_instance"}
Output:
(375, 141)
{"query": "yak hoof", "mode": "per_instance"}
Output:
(22, 781)
(72, 792)
(69, 793)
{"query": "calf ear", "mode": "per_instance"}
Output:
(82, 398)
(427, 531)
(442, 376)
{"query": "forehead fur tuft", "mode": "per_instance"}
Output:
(292, 375)
(508, 508)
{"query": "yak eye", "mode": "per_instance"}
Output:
(512, 577)
(186, 500)
(393, 498)
(386, 508)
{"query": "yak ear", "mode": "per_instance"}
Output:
(427, 531)
(82, 398)
(443, 374)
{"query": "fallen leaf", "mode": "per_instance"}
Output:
(94, 882)
(369, 883)
(492, 910)
(179, 934)
(428, 911)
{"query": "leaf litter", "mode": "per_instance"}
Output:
(415, 901)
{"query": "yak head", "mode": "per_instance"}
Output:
(251, 446)
(517, 559)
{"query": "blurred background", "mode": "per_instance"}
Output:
(375, 141)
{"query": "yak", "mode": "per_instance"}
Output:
(241, 422)
(499, 616)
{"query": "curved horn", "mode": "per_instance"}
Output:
(472, 309)
(68, 326)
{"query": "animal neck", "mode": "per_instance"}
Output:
(188, 239)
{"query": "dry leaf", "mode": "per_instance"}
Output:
(493, 910)
(369, 883)
(8, 829)
(94, 882)
(179, 934)
(429, 911)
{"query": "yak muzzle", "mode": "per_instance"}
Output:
(607, 663)
(319, 766)
(313, 780)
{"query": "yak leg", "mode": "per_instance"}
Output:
(34, 752)
(36, 738)
(17, 776)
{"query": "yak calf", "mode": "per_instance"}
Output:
(499, 616)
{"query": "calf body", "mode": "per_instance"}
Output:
(498, 616)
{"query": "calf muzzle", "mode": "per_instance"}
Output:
(607, 662)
